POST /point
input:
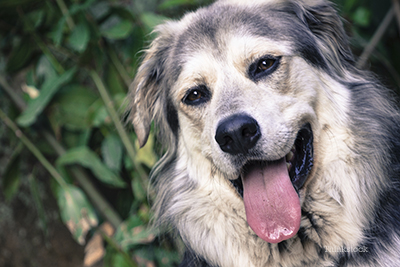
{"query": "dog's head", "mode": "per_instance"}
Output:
(238, 84)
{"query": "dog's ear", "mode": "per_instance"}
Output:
(147, 91)
(326, 25)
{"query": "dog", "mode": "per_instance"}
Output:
(278, 150)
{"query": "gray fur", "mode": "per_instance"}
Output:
(350, 202)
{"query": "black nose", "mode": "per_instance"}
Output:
(237, 134)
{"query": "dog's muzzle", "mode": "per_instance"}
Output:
(269, 188)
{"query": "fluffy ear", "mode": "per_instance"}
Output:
(148, 90)
(326, 25)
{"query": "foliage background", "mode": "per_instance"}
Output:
(65, 156)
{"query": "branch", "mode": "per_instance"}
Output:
(64, 10)
(35, 151)
(118, 65)
(11, 93)
(375, 39)
(396, 6)
(118, 125)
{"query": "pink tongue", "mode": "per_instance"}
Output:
(272, 204)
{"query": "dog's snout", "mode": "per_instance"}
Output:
(237, 134)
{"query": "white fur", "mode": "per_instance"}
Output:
(195, 195)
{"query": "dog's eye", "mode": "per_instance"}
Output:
(265, 64)
(196, 96)
(263, 67)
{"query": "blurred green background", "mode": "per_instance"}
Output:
(73, 187)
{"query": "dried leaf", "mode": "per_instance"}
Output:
(76, 212)
(94, 250)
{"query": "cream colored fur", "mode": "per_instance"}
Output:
(195, 195)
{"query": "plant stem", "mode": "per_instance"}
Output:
(46, 51)
(120, 68)
(35, 151)
(375, 39)
(39, 205)
(396, 6)
(118, 125)
(10, 91)
(66, 14)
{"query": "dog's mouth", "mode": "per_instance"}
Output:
(270, 190)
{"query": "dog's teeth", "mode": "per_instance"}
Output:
(290, 156)
(288, 165)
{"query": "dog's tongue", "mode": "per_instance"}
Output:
(271, 202)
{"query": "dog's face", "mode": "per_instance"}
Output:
(248, 80)
(245, 107)
(238, 86)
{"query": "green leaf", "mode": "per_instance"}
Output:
(57, 32)
(114, 258)
(36, 17)
(150, 20)
(79, 38)
(98, 114)
(87, 158)
(44, 69)
(348, 5)
(49, 88)
(72, 104)
(134, 232)
(120, 29)
(362, 16)
(76, 138)
(99, 10)
(76, 212)
(75, 8)
(20, 55)
(112, 149)
(138, 191)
